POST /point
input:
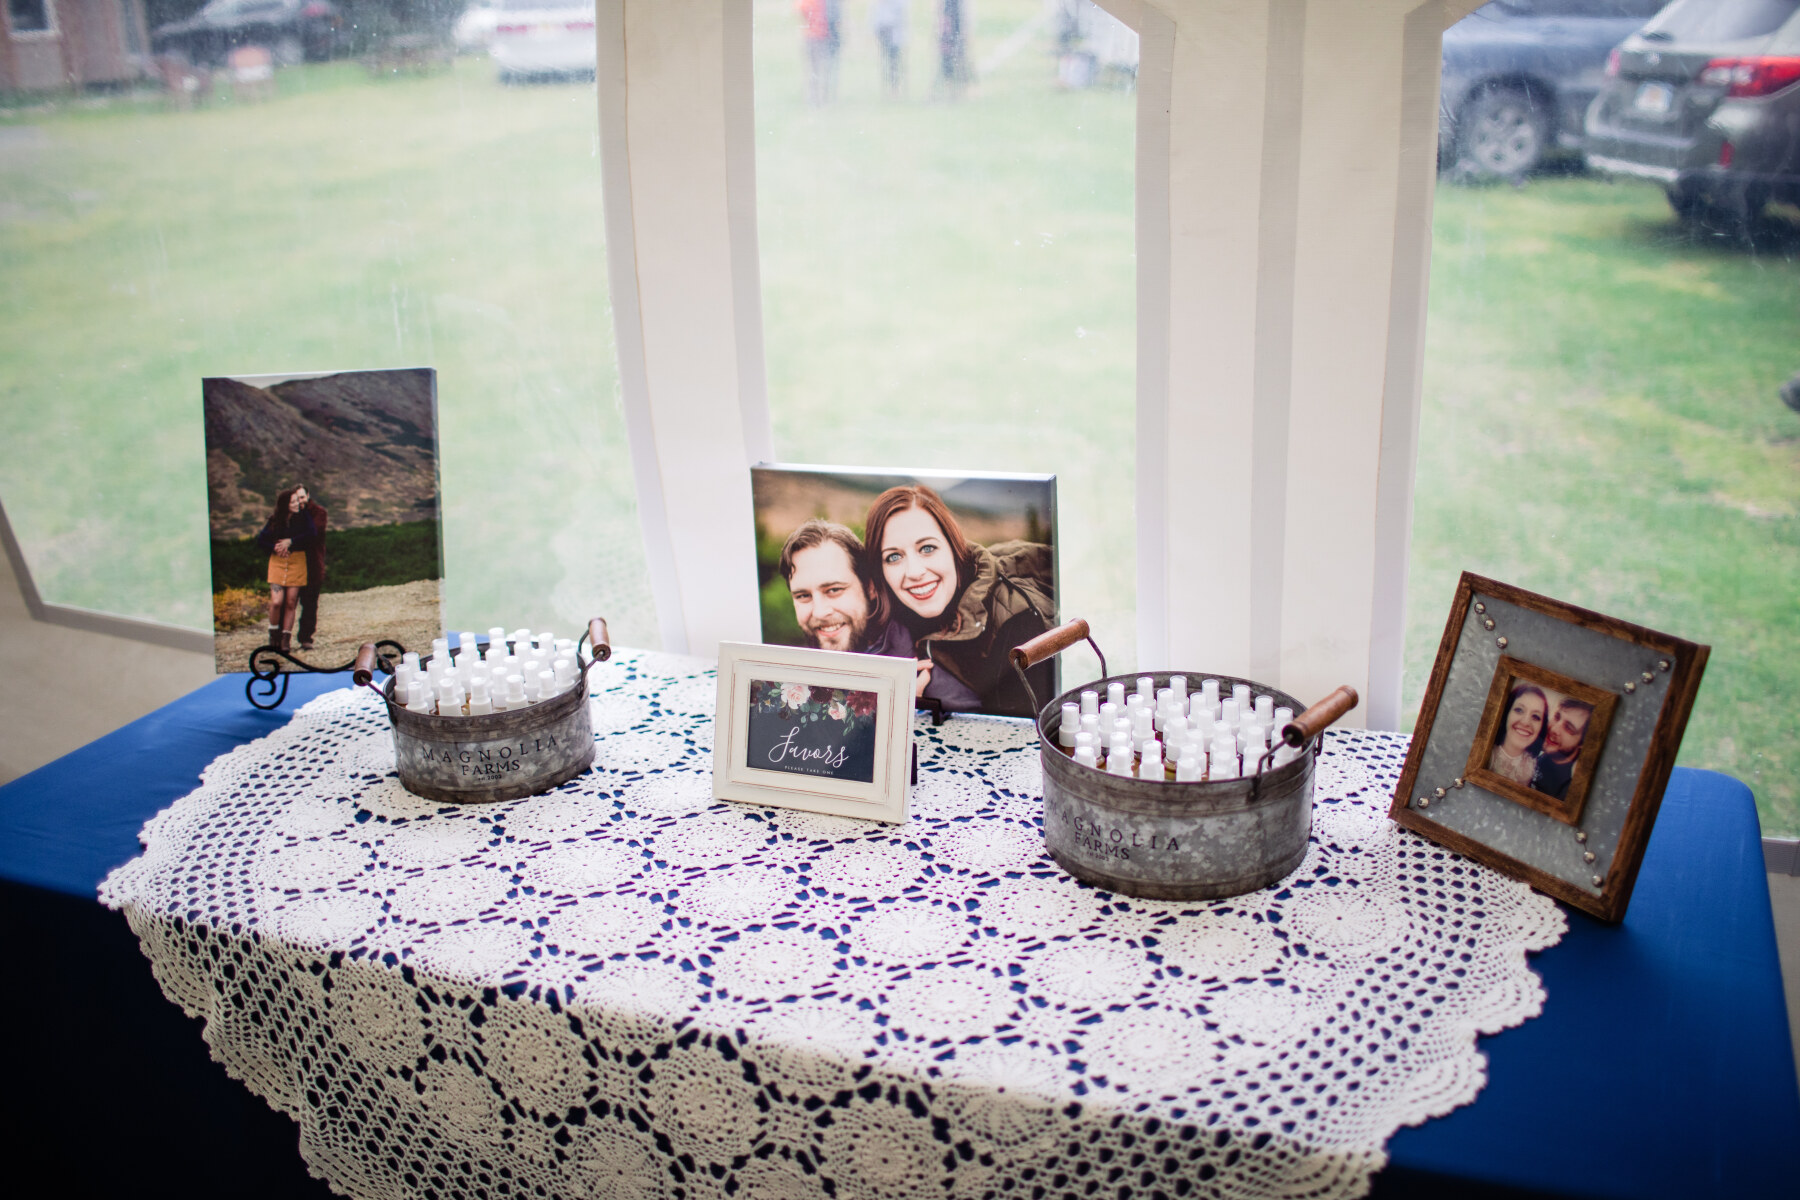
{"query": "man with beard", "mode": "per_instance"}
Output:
(1563, 735)
(822, 564)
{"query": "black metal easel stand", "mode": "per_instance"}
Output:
(267, 675)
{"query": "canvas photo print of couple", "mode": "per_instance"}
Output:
(951, 571)
(1540, 738)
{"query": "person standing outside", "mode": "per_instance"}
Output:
(888, 20)
(315, 576)
(821, 55)
(953, 45)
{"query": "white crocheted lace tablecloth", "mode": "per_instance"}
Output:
(624, 989)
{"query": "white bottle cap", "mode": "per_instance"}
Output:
(440, 647)
(547, 684)
(1091, 724)
(1265, 709)
(515, 691)
(1163, 696)
(435, 667)
(1230, 714)
(1090, 703)
(1091, 741)
(1069, 726)
(565, 646)
(1152, 765)
(521, 638)
(1178, 685)
(418, 697)
(1209, 688)
(1084, 754)
(1224, 766)
(1282, 717)
(564, 674)
(1122, 729)
(496, 638)
(1146, 686)
(1175, 731)
(1250, 734)
(1119, 762)
(1241, 693)
(1115, 694)
(1188, 769)
(480, 705)
(532, 687)
(1134, 702)
(449, 699)
(410, 659)
(465, 642)
(1109, 712)
(1202, 725)
(1285, 754)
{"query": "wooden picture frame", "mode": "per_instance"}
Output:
(1599, 702)
(825, 731)
(1576, 826)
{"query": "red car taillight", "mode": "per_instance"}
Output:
(580, 26)
(512, 29)
(1761, 75)
(1612, 63)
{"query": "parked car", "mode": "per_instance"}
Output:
(293, 30)
(536, 39)
(1518, 76)
(474, 29)
(1705, 100)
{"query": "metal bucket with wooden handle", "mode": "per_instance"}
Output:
(496, 756)
(1167, 840)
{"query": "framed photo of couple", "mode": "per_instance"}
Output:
(1545, 740)
(949, 572)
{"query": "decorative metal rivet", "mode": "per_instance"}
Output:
(1480, 607)
(1598, 881)
(1488, 622)
(1440, 793)
(1587, 856)
(1424, 802)
(1500, 642)
(1458, 782)
(1648, 677)
(1581, 835)
(1630, 686)
(1662, 664)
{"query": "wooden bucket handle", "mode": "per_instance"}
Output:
(1050, 642)
(1319, 717)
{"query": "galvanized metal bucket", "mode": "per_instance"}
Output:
(1175, 841)
(499, 756)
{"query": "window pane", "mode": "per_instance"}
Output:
(1602, 424)
(947, 261)
(350, 221)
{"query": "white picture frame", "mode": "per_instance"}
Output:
(831, 786)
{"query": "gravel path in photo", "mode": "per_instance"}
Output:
(408, 613)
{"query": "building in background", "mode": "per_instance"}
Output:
(50, 44)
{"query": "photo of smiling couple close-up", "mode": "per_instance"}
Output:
(951, 572)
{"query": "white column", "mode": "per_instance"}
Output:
(677, 145)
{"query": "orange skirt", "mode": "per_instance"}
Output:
(289, 571)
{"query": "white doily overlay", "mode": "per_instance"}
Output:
(623, 989)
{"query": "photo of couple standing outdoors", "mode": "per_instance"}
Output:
(900, 575)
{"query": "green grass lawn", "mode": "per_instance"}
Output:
(1601, 424)
(947, 284)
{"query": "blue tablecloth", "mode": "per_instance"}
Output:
(1661, 1065)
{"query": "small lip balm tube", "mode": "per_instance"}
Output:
(1090, 703)
(480, 705)
(1084, 754)
(1119, 761)
(1069, 726)
(1151, 765)
(1115, 694)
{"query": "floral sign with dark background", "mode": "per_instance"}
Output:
(803, 730)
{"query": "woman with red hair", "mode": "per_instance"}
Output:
(955, 607)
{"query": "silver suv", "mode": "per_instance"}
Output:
(1705, 100)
